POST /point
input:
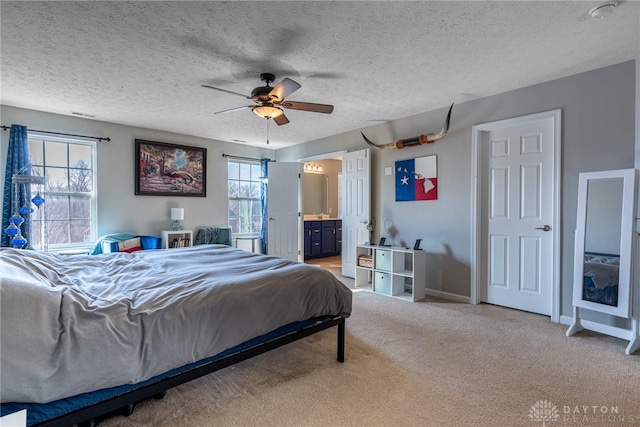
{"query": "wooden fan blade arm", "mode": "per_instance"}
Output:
(281, 120)
(285, 88)
(231, 110)
(308, 106)
(226, 91)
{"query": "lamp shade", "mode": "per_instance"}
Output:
(177, 214)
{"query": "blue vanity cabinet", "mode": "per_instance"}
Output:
(316, 239)
(307, 238)
(328, 237)
(322, 238)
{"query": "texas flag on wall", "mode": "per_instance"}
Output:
(417, 179)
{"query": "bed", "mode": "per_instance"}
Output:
(601, 278)
(85, 335)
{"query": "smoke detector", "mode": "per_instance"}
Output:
(603, 10)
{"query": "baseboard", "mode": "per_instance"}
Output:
(566, 320)
(447, 295)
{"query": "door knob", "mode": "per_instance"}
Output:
(271, 219)
(545, 228)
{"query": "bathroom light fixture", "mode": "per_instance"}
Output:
(603, 10)
(310, 167)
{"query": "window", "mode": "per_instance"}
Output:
(245, 209)
(68, 216)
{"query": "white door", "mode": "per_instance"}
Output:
(519, 214)
(284, 198)
(356, 211)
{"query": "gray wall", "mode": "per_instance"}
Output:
(598, 133)
(119, 209)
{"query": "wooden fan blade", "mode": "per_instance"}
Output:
(226, 91)
(231, 110)
(308, 106)
(281, 120)
(285, 88)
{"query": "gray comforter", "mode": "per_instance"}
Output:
(73, 324)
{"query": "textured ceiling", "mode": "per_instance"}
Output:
(142, 63)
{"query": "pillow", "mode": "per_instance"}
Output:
(130, 245)
(151, 242)
(109, 246)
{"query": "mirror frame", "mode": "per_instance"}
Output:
(627, 238)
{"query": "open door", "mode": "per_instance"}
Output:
(284, 201)
(356, 212)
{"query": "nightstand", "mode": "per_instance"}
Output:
(176, 238)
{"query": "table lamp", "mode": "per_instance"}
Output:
(177, 215)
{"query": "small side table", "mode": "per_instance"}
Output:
(176, 238)
(252, 238)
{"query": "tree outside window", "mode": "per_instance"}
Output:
(245, 212)
(67, 218)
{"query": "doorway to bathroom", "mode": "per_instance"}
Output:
(322, 210)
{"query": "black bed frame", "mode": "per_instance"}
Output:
(124, 404)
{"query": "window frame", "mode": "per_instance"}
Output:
(92, 195)
(230, 199)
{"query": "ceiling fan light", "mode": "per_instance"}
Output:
(267, 111)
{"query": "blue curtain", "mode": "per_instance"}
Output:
(16, 196)
(264, 169)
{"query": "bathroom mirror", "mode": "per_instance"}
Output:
(316, 193)
(604, 241)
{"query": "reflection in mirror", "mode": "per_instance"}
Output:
(316, 193)
(604, 242)
(603, 230)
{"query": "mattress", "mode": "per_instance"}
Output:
(72, 325)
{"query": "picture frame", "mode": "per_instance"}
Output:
(416, 179)
(164, 169)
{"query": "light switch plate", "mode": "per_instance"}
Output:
(388, 171)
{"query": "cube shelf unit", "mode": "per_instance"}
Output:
(181, 238)
(394, 271)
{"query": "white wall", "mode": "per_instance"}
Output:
(119, 210)
(598, 133)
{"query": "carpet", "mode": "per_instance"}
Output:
(430, 363)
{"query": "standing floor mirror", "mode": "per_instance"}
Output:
(604, 251)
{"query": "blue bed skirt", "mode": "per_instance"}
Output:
(41, 412)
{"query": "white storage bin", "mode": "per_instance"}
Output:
(383, 260)
(382, 283)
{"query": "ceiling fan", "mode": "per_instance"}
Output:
(269, 101)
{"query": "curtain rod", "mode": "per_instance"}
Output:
(230, 156)
(99, 138)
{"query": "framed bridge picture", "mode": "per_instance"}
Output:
(163, 169)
